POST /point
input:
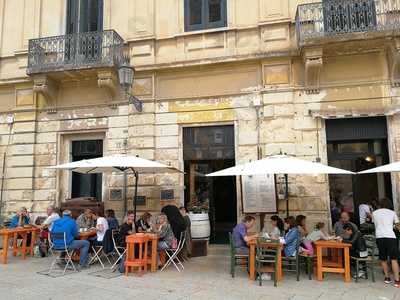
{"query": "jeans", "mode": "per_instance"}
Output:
(83, 247)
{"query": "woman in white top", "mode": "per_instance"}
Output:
(385, 219)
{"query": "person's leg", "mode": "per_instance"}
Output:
(83, 246)
(395, 269)
(385, 268)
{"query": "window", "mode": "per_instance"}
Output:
(84, 16)
(204, 14)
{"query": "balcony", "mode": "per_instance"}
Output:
(74, 52)
(346, 19)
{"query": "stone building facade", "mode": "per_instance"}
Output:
(274, 70)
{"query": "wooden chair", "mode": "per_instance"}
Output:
(266, 262)
(136, 253)
(369, 261)
(308, 261)
(292, 263)
(236, 259)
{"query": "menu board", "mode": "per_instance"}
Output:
(259, 194)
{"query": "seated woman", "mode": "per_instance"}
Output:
(111, 219)
(319, 233)
(101, 228)
(291, 237)
(278, 228)
(143, 224)
(166, 235)
(301, 226)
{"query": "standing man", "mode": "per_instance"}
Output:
(240, 236)
(69, 226)
(384, 220)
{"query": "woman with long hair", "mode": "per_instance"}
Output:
(175, 219)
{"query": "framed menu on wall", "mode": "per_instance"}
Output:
(259, 195)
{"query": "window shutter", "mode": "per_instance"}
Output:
(72, 16)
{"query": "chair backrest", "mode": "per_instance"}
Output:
(231, 244)
(370, 241)
(58, 236)
(266, 253)
(181, 241)
(114, 235)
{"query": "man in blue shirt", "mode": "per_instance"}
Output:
(240, 236)
(70, 227)
(20, 219)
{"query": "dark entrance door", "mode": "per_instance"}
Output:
(86, 185)
(357, 145)
(205, 150)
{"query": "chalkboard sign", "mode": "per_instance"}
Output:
(259, 194)
(167, 194)
(140, 200)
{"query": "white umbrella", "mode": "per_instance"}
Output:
(118, 163)
(280, 164)
(393, 167)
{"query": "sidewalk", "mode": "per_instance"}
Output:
(203, 278)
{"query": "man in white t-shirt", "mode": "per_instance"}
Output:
(51, 217)
(385, 219)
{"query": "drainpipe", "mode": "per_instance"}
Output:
(10, 121)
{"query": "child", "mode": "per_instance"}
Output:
(318, 233)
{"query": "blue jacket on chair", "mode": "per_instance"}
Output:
(69, 226)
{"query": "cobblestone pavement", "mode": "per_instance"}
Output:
(203, 278)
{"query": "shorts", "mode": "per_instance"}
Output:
(387, 247)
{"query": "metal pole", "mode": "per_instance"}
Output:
(125, 194)
(287, 194)
(135, 196)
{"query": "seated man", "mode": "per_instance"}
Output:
(21, 218)
(358, 245)
(127, 228)
(52, 215)
(69, 226)
(344, 219)
(240, 236)
(86, 219)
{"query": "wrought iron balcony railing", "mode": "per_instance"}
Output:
(331, 18)
(74, 51)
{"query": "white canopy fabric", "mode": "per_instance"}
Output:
(280, 164)
(393, 167)
(117, 163)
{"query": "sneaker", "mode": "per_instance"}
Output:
(396, 283)
(361, 274)
(387, 280)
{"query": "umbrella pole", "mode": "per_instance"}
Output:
(287, 194)
(135, 196)
(125, 196)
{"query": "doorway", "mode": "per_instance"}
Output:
(206, 150)
(360, 146)
(86, 185)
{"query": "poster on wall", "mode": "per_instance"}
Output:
(259, 194)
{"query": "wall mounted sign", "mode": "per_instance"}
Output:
(115, 194)
(140, 200)
(259, 194)
(167, 194)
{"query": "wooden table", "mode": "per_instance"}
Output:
(8, 233)
(152, 260)
(252, 257)
(87, 234)
(335, 266)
